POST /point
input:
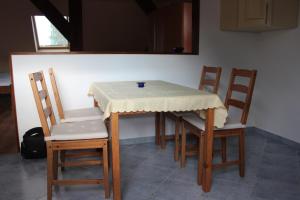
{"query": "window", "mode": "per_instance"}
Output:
(47, 36)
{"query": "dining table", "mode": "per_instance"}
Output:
(119, 98)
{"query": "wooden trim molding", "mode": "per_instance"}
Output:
(13, 102)
(96, 53)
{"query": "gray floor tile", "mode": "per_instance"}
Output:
(283, 175)
(151, 174)
(178, 190)
(187, 174)
(88, 192)
(232, 174)
(279, 160)
(227, 189)
(270, 189)
(148, 173)
(138, 188)
(277, 147)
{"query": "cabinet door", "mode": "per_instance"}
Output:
(253, 13)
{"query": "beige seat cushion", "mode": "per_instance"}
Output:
(92, 129)
(82, 115)
(194, 119)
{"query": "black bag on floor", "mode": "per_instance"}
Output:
(34, 145)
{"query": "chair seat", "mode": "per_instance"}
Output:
(195, 120)
(82, 115)
(92, 129)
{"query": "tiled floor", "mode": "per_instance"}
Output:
(273, 172)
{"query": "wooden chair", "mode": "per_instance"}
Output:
(205, 83)
(197, 126)
(72, 115)
(76, 115)
(90, 134)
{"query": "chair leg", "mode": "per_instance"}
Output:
(105, 171)
(224, 149)
(49, 171)
(55, 164)
(183, 146)
(62, 159)
(200, 159)
(108, 154)
(163, 131)
(242, 153)
(157, 128)
(176, 152)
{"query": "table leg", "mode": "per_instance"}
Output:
(114, 124)
(209, 127)
(162, 131)
(157, 127)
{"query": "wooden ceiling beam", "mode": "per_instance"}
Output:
(75, 20)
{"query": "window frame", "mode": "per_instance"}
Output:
(38, 47)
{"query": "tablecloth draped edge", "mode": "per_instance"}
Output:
(219, 125)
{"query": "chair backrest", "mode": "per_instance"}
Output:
(41, 97)
(245, 89)
(56, 94)
(212, 82)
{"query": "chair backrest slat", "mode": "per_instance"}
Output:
(240, 88)
(210, 82)
(56, 94)
(209, 69)
(44, 113)
(246, 89)
(236, 103)
(243, 72)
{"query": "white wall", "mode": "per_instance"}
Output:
(274, 54)
(277, 101)
(76, 72)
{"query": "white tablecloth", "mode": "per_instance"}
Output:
(156, 96)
